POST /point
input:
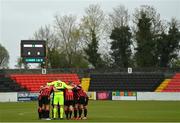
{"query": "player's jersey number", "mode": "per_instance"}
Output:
(59, 84)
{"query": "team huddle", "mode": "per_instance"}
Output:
(69, 98)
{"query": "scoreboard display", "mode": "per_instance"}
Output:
(33, 51)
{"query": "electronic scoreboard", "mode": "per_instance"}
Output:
(33, 51)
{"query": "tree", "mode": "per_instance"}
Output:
(58, 60)
(46, 33)
(91, 29)
(146, 20)
(92, 52)
(4, 57)
(145, 49)
(68, 33)
(63, 42)
(119, 17)
(168, 44)
(120, 46)
(121, 37)
(176, 63)
(20, 64)
(157, 26)
(79, 61)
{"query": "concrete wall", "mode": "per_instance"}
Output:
(161, 96)
(123, 97)
(8, 97)
(158, 96)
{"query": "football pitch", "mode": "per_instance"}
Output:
(101, 111)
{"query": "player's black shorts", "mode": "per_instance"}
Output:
(86, 99)
(45, 100)
(68, 102)
(40, 102)
(75, 102)
(83, 100)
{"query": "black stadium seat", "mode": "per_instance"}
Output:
(125, 82)
(8, 85)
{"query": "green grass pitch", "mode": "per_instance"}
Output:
(101, 111)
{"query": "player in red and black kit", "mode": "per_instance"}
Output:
(45, 93)
(75, 103)
(82, 101)
(69, 100)
(40, 103)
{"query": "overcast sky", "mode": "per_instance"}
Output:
(19, 19)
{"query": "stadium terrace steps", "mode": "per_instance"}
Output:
(173, 85)
(8, 85)
(85, 83)
(163, 85)
(142, 82)
(33, 81)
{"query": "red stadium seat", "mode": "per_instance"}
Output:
(174, 84)
(33, 81)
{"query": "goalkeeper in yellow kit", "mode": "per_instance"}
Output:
(59, 87)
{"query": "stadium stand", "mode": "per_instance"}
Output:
(126, 82)
(8, 85)
(163, 85)
(85, 83)
(33, 81)
(21, 80)
(173, 85)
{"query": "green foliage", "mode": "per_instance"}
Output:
(120, 46)
(76, 44)
(176, 63)
(79, 61)
(63, 44)
(59, 60)
(168, 45)
(20, 64)
(4, 57)
(92, 52)
(155, 45)
(145, 55)
(56, 59)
